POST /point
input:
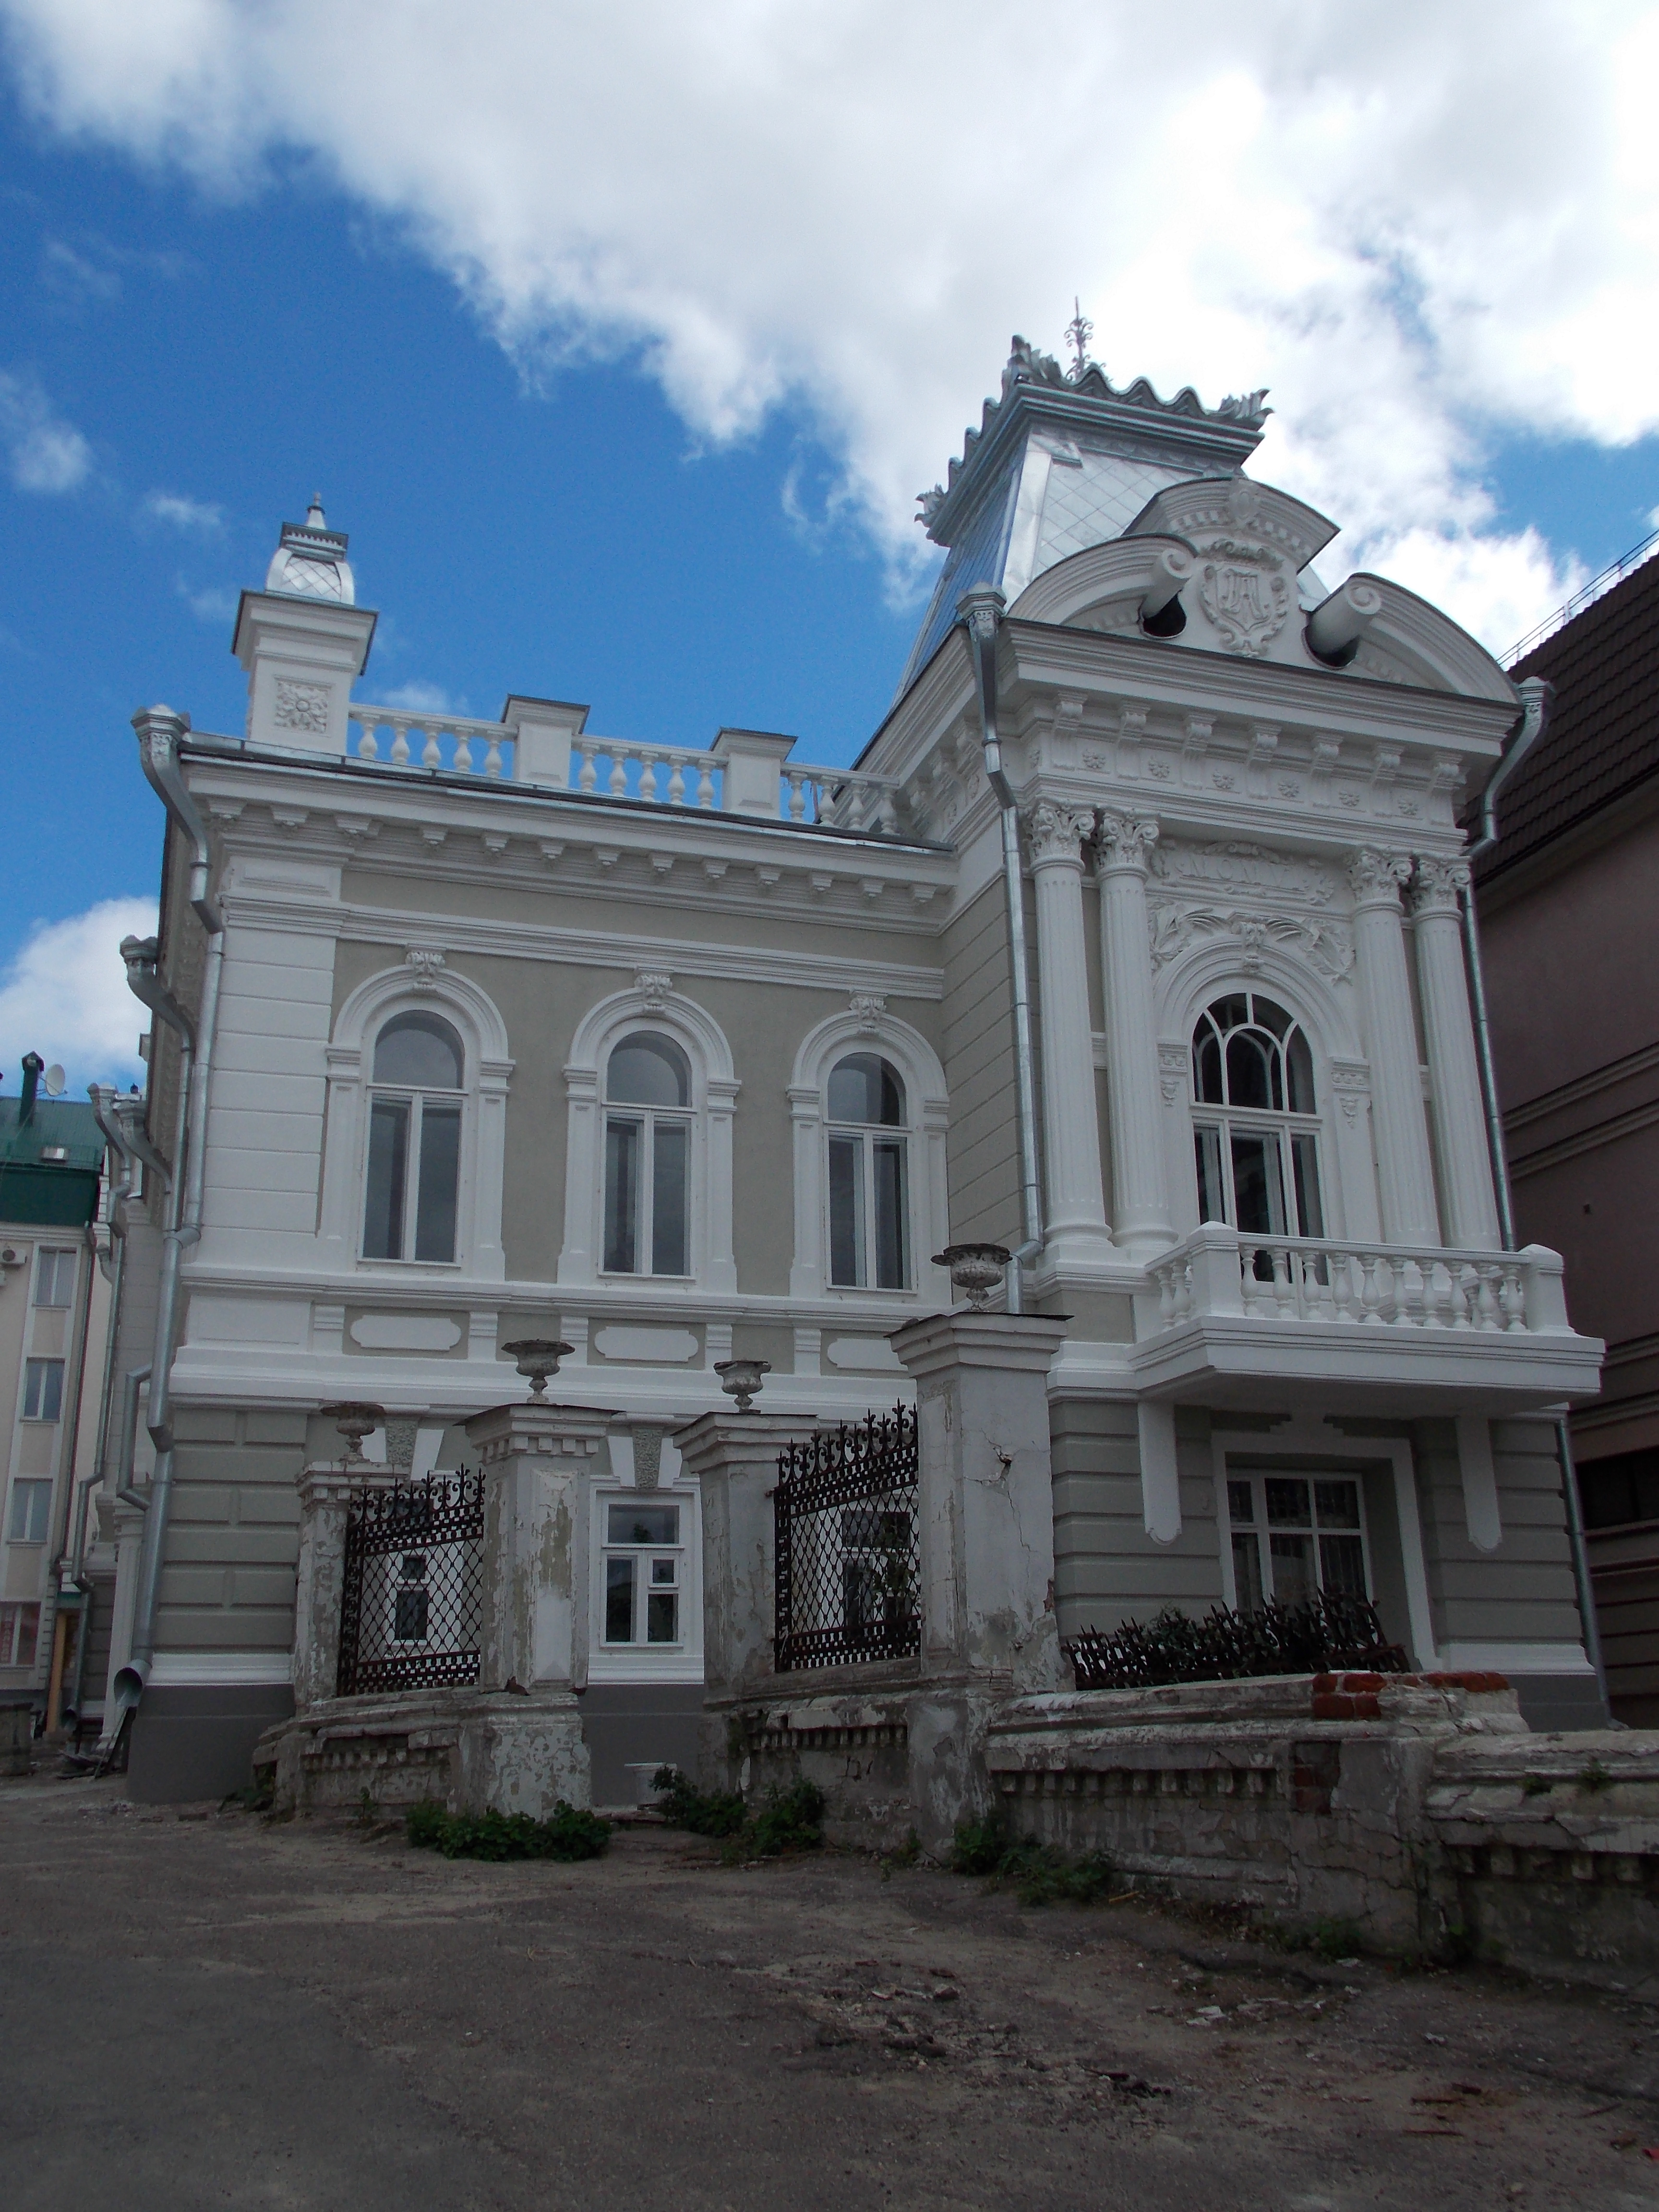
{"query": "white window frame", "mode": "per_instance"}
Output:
(647, 1119)
(866, 1135)
(652, 1004)
(642, 1662)
(29, 1487)
(487, 1072)
(34, 1397)
(1281, 1124)
(927, 1120)
(415, 1098)
(48, 1272)
(1262, 1529)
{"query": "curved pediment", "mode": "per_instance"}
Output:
(1208, 510)
(1101, 588)
(1409, 641)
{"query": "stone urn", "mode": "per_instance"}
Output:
(354, 1420)
(976, 1270)
(537, 1358)
(741, 1379)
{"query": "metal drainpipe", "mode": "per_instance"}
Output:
(160, 732)
(980, 611)
(1536, 695)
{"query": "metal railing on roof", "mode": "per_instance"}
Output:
(1614, 573)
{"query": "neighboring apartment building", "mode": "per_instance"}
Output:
(1570, 916)
(675, 1052)
(54, 1330)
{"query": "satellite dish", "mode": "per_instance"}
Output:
(52, 1081)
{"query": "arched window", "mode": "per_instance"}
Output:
(1253, 1122)
(648, 1157)
(869, 1202)
(414, 1140)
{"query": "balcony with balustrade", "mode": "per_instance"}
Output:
(745, 772)
(1241, 1319)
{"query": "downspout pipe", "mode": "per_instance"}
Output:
(161, 732)
(1537, 697)
(980, 611)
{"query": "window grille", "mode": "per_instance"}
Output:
(848, 1562)
(411, 1610)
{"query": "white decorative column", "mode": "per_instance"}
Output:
(326, 1494)
(720, 1270)
(1405, 1169)
(1140, 1201)
(1460, 1129)
(578, 1262)
(1073, 1204)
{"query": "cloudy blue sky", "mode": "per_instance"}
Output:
(620, 340)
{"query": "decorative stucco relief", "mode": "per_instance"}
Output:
(301, 706)
(1327, 945)
(1243, 871)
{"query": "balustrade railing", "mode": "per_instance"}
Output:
(1221, 1271)
(396, 737)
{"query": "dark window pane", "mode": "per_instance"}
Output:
(643, 1524)
(1337, 1504)
(410, 1626)
(438, 1182)
(1212, 1197)
(1292, 1558)
(619, 1601)
(1247, 1572)
(1206, 1066)
(1342, 1565)
(419, 1052)
(662, 1617)
(1258, 1184)
(1228, 1013)
(1241, 1502)
(648, 1071)
(890, 1269)
(388, 1151)
(1268, 1016)
(1300, 1062)
(1304, 1165)
(1287, 1502)
(864, 1088)
(1620, 1489)
(622, 1196)
(665, 1573)
(670, 1145)
(847, 1264)
(1252, 1070)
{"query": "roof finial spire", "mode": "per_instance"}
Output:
(1078, 331)
(315, 519)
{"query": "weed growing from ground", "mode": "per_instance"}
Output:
(1038, 1873)
(683, 1805)
(568, 1834)
(790, 1820)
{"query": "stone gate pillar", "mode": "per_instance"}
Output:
(985, 1505)
(536, 1460)
(734, 1457)
(326, 1492)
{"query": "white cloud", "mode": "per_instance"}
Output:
(47, 454)
(176, 508)
(1418, 224)
(419, 698)
(65, 995)
(214, 603)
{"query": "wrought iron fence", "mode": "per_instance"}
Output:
(1330, 1631)
(848, 1563)
(413, 1607)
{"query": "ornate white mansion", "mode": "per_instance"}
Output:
(1134, 943)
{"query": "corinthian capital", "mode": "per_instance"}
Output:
(1377, 877)
(1126, 841)
(1437, 886)
(1056, 833)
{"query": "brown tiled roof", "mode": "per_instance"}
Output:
(1602, 739)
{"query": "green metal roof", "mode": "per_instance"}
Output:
(38, 1188)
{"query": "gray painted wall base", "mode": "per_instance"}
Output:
(627, 1722)
(196, 1742)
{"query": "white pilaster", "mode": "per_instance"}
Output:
(1073, 1204)
(720, 1263)
(1460, 1132)
(1405, 1169)
(1140, 1198)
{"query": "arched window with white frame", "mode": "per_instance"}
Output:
(417, 1098)
(867, 1130)
(648, 1157)
(1256, 1125)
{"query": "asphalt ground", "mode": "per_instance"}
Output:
(208, 2008)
